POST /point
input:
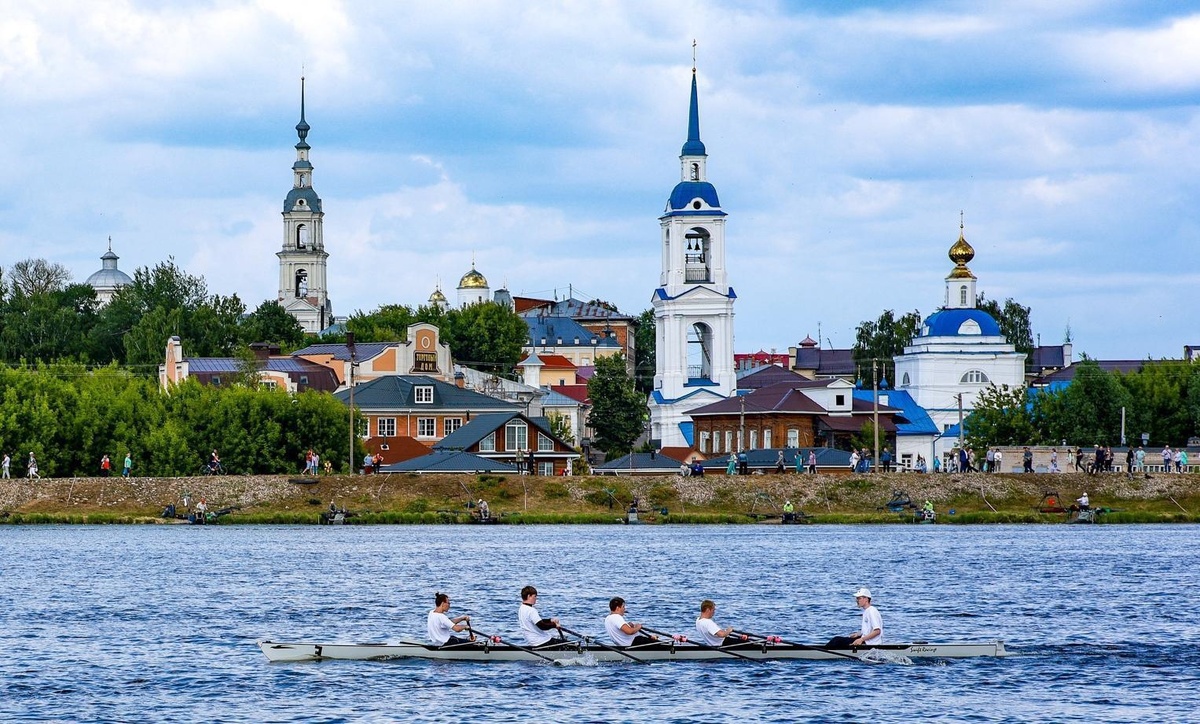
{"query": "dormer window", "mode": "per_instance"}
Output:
(423, 395)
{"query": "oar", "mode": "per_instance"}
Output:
(526, 649)
(684, 639)
(590, 640)
(806, 647)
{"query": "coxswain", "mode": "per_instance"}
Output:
(709, 632)
(537, 630)
(621, 631)
(442, 628)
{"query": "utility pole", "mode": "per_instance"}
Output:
(742, 424)
(875, 405)
(960, 420)
(350, 381)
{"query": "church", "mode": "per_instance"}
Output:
(303, 290)
(693, 304)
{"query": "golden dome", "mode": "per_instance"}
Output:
(472, 280)
(960, 254)
(437, 296)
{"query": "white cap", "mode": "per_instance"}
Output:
(864, 591)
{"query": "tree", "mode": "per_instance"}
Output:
(1092, 406)
(49, 326)
(882, 340)
(486, 336)
(618, 409)
(1013, 319)
(38, 276)
(645, 360)
(560, 425)
(271, 323)
(1001, 416)
(1159, 401)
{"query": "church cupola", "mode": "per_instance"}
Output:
(302, 260)
(960, 284)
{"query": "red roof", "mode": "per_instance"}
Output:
(579, 393)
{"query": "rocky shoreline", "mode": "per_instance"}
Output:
(973, 497)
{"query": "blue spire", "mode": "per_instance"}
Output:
(693, 147)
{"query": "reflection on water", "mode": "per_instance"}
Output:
(157, 623)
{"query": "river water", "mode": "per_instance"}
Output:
(157, 623)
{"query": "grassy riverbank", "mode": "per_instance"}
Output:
(442, 499)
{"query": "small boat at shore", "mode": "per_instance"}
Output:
(486, 650)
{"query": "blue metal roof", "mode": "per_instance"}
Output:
(311, 200)
(396, 392)
(449, 461)
(949, 322)
(568, 330)
(919, 421)
(640, 462)
(685, 192)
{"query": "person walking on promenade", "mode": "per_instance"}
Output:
(128, 465)
(854, 461)
(32, 473)
(105, 467)
(1141, 459)
(1054, 461)
(1178, 460)
(1079, 460)
(799, 461)
(731, 466)
(743, 462)
(1167, 457)
(990, 461)
(779, 462)
(812, 462)
(5, 466)
(1129, 458)
(1027, 460)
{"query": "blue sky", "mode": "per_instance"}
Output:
(844, 139)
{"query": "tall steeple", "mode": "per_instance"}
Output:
(693, 305)
(302, 261)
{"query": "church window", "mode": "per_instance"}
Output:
(905, 381)
(699, 351)
(974, 377)
(970, 327)
(962, 296)
(301, 283)
(696, 173)
(302, 236)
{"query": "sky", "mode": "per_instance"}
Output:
(542, 141)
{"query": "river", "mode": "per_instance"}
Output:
(159, 623)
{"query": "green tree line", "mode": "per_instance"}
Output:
(69, 417)
(1161, 399)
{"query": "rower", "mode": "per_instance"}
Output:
(442, 628)
(709, 632)
(621, 631)
(535, 628)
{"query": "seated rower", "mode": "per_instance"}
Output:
(709, 632)
(537, 630)
(621, 631)
(871, 631)
(442, 628)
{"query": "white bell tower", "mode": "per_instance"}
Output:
(302, 287)
(693, 305)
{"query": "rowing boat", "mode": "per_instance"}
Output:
(489, 651)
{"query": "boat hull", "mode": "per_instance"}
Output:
(489, 652)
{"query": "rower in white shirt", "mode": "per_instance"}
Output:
(442, 628)
(621, 631)
(537, 630)
(709, 632)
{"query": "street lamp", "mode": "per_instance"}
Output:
(350, 381)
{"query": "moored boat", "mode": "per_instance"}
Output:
(489, 651)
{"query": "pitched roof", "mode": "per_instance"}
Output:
(640, 462)
(449, 461)
(914, 421)
(483, 425)
(362, 350)
(397, 392)
(579, 393)
(826, 362)
(555, 328)
(784, 397)
(551, 360)
(766, 376)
